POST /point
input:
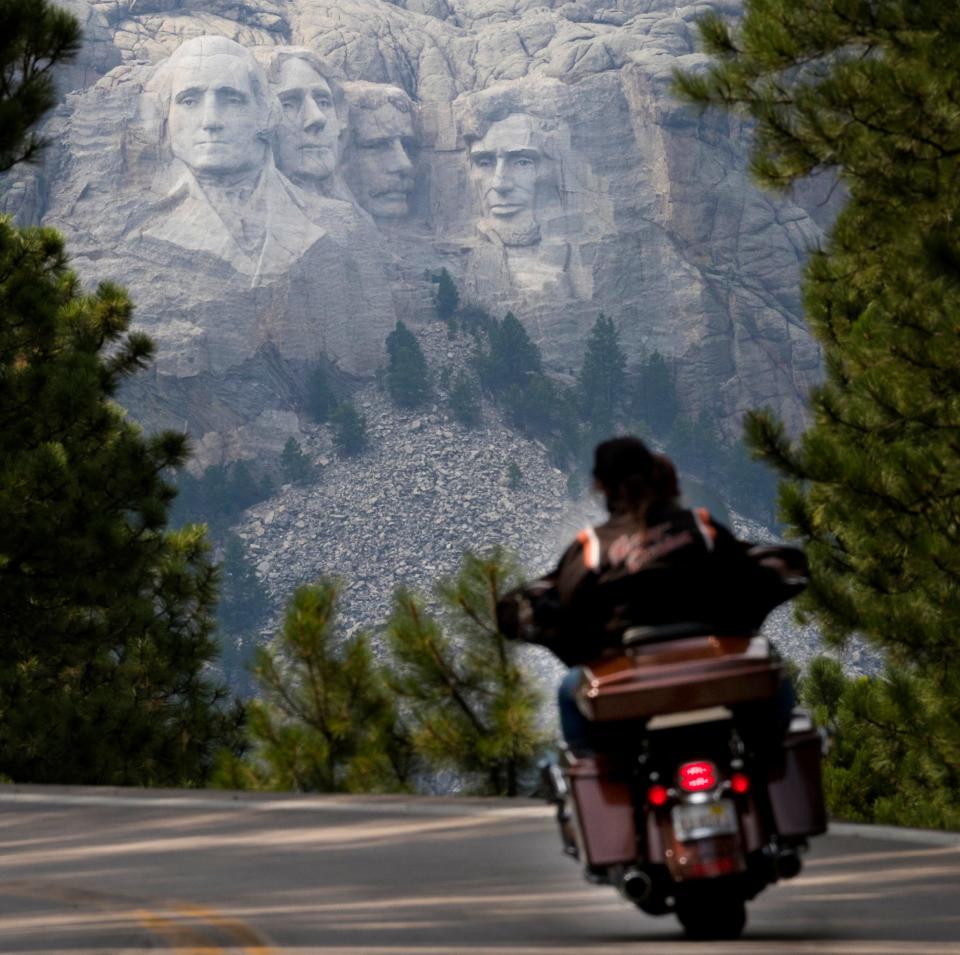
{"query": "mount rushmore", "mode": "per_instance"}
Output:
(275, 181)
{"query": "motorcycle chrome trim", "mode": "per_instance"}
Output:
(690, 826)
(709, 714)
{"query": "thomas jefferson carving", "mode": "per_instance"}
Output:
(377, 164)
(227, 197)
(309, 138)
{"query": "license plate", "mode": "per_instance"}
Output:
(693, 821)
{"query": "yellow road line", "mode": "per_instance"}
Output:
(180, 938)
(253, 942)
(186, 927)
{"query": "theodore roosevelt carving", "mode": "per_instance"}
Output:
(227, 198)
(378, 165)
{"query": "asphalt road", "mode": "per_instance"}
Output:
(85, 871)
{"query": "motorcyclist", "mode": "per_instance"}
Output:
(652, 562)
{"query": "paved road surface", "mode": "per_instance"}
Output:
(84, 871)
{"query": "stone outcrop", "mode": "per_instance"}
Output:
(533, 149)
(273, 180)
(403, 513)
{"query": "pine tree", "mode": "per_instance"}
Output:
(295, 465)
(243, 608)
(465, 401)
(873, 486)
(873, 766)
(471, 707)
(321, 402)
(474, 319)
(652, 394)
(511, 370)
(446, 298)
(324, 721)
(695, 445)
(511, 358)
(36, 38)
(218, 496)
(408, 378)
(107, 617)
(350, 436)
(602, 379)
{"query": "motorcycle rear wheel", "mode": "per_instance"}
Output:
(711, 914)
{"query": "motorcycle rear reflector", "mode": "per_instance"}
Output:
(657, 795)
(713, 868)
(739, 783)
(694, 777)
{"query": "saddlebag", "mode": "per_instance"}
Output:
(603, 802)
(795, 787)
(674, 676)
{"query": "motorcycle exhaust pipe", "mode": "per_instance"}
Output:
(636, 885)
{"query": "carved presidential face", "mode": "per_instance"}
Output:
(380, 170)
(506, 166)
(308, 138)
(215, 119)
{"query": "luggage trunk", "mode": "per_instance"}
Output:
(796, 791)
(603, 800)
(673, 676)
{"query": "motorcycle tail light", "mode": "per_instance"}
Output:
(657, 795)
(713, 868)
(698, 776)
(740, 783)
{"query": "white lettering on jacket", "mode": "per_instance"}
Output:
(634, 551)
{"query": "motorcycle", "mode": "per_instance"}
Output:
(701, 801)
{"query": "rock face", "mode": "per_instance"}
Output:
(272, 178)
(403, 513)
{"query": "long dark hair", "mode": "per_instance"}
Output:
(634, 477)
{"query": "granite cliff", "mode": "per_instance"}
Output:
(533, 149)
(275, 180)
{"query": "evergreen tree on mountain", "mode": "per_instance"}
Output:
(321, 402)
(870, 91)
(446, 298)
(510, 369)
(652, 394)
(602, 379)
(106, 615)
(408, 378)
(465, 401)
(242, 609)
(511, 357)
(350, 436)
(295, 466)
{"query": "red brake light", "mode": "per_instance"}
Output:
(657, 795)
(740, 783)
(695, 777)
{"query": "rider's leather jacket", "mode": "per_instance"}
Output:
(675, 565)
